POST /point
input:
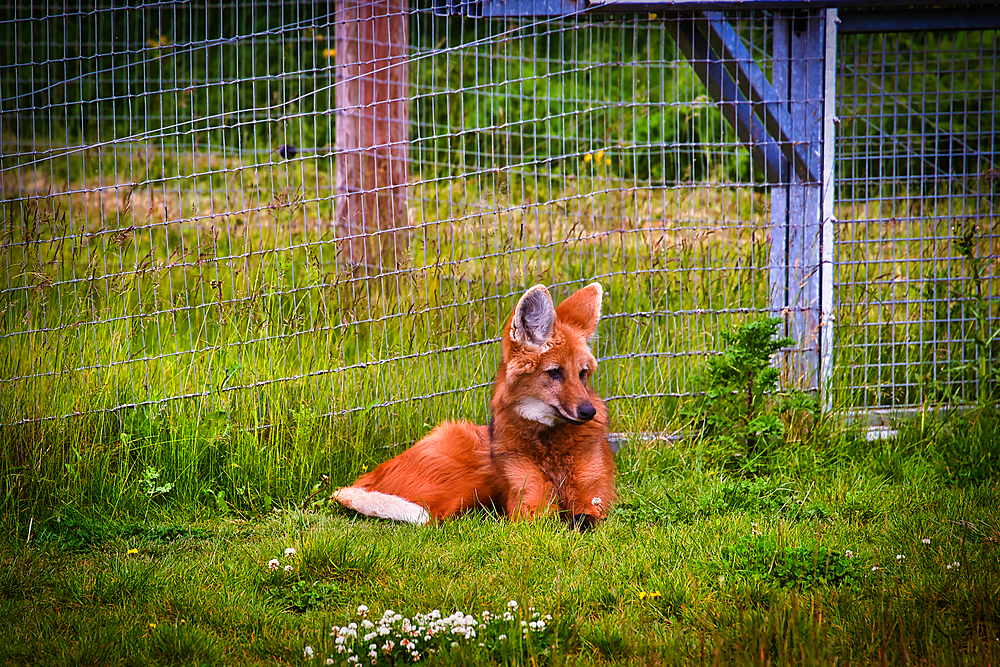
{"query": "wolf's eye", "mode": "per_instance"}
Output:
(555, 373)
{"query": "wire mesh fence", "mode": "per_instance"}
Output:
(919, 234)
(180, 231)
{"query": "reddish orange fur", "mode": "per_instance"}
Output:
(548, 452)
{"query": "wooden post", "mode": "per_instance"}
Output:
(798, 232)
(373, 121)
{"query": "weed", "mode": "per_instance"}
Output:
(740, 408)
(150, 484)
(984, 333)
(760, 559)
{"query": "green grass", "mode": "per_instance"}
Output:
(793, 560)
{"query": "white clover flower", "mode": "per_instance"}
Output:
(289, 552)
(926, 540)
(849, 553)
(512, 604)
(454, 644)
(874, 568)
(900, 557)
(596, 501)
(500, 638)
(273, 564)
(308, 652)
(353, 659)
(289, 568)
(329, 661)
(362, 610)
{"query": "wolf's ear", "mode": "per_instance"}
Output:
(582, 309)
(534, 318)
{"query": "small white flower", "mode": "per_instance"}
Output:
(454, 644)
(849, 553)
(926, 540)
(900, 557)
(512, 604)
(289, 552)
(874, 568)
(955, 564)
(308, 652)
(500, 638)
(273, 564)
(596, 501)
(289, 568)
(362, 610)
(329, 661)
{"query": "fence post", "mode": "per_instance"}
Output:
(372, 100)
(801, 277)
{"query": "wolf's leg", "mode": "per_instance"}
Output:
(530, 493)
(589, 492)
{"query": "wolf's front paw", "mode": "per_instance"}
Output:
(583, 522)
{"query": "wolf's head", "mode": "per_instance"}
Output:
(547, 362)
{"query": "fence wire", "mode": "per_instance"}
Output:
(918, 239)
(175, 236)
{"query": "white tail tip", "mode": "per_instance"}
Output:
(381, 505)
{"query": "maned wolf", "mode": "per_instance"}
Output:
(546, 448)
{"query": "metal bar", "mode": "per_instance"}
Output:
(909, 20)
(826, 340)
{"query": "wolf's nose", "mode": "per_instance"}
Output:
(586, 412)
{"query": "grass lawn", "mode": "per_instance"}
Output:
(833, 550)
